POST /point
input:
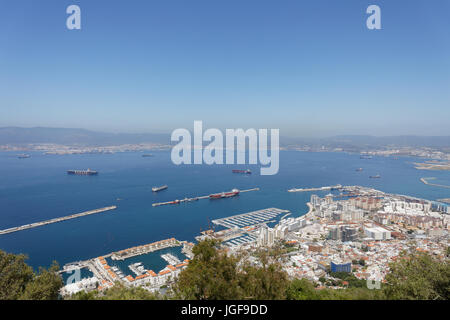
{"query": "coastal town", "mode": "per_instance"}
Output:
(59, 149)
(353, 229)
(441, 154)
(434, 153)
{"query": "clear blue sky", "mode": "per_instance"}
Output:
(309, 68)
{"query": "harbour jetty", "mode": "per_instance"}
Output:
(336, 187)
(43, 223)
(211, 196)
(425, 181)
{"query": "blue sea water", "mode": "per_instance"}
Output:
(38, 188)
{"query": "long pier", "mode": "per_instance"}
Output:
(433, 184)
(194, 199)
(338, 186)
(43, 223)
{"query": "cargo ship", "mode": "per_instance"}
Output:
(242, 171)
(87, 172)
(221, 195)
(156, 189)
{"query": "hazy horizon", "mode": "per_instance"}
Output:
(206, 127)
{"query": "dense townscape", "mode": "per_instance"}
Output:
(57, 149)
(360, 234)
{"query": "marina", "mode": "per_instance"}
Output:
(234, 192)
(245, 239)
(43, 223)
(250, 218)
(137, 268)
(170, 259)
(106, 270)
(136, 251)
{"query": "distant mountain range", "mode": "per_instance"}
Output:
(66, 136)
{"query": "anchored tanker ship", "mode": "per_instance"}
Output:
(87, 172)
(242, 171)
(221, 195)
(156, 189)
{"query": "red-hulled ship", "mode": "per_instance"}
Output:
(221, 195)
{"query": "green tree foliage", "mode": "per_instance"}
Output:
(418, 276)
(14, 275)
(268, 282)
(353, 282)
(212, 274)
(45, 285)
(83, 295)
(18, 281)
(302, 289)
(117, 292)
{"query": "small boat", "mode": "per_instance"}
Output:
(375, 177)
(359, 169)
